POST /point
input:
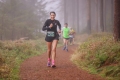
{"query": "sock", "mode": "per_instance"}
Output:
(64, 47)
(53, 62)
(49, 59)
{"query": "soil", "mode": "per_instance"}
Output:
(35, 68)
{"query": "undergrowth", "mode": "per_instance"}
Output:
(13, 53)
(100, 54)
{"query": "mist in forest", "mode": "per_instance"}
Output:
(25, 18)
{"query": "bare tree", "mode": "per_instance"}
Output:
(104, 15)
(117, 20)
(78, 16)
(65, 11)
(96, 13)
(89, 16)
(102, 19)
(112, 13)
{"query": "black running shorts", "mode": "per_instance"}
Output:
(66, 38)
(50, 39)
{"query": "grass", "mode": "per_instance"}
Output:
(13, 53)
(100, 54)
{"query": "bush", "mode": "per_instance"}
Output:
(101, 55)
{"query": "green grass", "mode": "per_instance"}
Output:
(13, 53)
(100, 54)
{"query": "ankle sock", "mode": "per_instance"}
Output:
(49, 59)
(53, 62)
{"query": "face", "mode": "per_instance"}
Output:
(52, 16)
(66, 25)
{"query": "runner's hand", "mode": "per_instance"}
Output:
(59, 31)
(51, 25)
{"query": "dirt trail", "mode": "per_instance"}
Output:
(35, 68)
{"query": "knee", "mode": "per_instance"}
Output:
(53, 50)
(49, 50)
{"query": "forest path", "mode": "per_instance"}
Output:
(35, 68)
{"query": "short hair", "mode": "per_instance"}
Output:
(52, 12)
(66, 23)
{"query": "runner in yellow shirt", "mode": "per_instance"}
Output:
(71, 36)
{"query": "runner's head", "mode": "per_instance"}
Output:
(52, 15)
(66, 24)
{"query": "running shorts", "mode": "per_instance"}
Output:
(50, 39)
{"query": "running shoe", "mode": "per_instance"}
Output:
(48, 64)
(67, 50)
(53, 66)
(64, 48)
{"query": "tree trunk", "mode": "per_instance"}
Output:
(73, 13)
(104, 15)
(78, 16)
(96, 10)
(117, 20)
(65, 11)
(89, 16)
(102, 19)
(112, 13)
(12, 32)
(2, 27)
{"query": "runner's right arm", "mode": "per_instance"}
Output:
(45, 27)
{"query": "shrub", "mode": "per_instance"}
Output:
(99, 54)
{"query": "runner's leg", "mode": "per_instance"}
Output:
(64, 41)
(54, 45)
(49, 47)
(67, 40)
(72, 41)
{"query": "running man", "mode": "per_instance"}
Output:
(52, 37)
(65, 32)
(74, 33)
(71, 36)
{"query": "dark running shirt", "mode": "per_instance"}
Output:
(55, 24)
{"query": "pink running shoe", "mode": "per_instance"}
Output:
(48, 63)
(53, 66)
